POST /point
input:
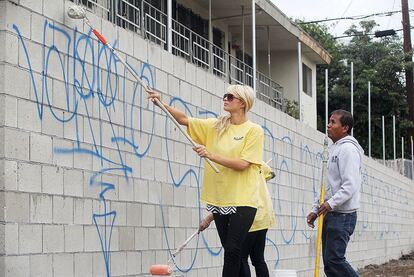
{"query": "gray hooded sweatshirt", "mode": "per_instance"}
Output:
(342, 190)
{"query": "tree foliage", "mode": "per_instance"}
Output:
(380, 61)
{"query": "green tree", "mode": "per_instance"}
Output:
(380, 61)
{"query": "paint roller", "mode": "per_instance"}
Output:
(166, 269)
(77, 12)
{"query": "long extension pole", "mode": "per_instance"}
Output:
(352, 93)
(369, 119)
(103, 40)
(326, 102)
(321, 200)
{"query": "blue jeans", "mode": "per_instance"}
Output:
(336, 231)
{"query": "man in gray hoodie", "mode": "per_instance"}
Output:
(342, 195)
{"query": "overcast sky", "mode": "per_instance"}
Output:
(321, 9)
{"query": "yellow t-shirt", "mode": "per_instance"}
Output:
(230, 187)
(265, 216)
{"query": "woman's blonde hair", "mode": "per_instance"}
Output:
(244, 93)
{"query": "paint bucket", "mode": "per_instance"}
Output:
(284, 273)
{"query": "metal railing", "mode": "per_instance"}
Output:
(155, 24)
(128, 15)
(141, 17)
(269, 91)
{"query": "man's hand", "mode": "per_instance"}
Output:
(310, 219)
(324, 209)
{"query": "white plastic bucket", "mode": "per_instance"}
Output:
(284, 273)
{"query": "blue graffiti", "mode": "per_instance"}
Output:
(109, 113)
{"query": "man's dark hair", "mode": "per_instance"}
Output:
(346, 119)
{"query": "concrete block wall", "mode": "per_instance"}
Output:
(95, 181)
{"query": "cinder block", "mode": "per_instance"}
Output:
(179, 67)
(17, 207)
(82, 211)
(83, 161)
(19, 89)
(147, 169)
(154, 192)
(166, 61)
(154, 55)
(196, 98)
(16, 144)
(83, 264)
(52, 180)
(59, 158)
(10, 51)
(53, 239)
(41, 265)
(73, 182)
(121, 212)
(206, 100)
(161, 83)
(126, 189)
(52, 126)
(190, 73)
(34, 5)
(15, 14)
(41, 149)
(124, 41)
(167, 191)
(16, 266)
(40, 208)
(134, 214)
(156, 238)
(74, 238)
(30, 239)
(141, 238)
(30, 51)
(29, 177)
(185, 91)
(148, 215)
(54, 9)
(211, 83)
(37, 24)
(2, 238)
(92, 242)
(133, 263)
(8, 115)
(28, 116)
(161, 174)
(141, 190)
(148, 259)
(118, 263)
(63, 265)
(10, 239)
(8, 176)
(62, 210)
(126, 238)
(98, 265)
(2, 143)
(179, 152)
(140, 48)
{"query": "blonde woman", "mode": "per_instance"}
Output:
(235, 144)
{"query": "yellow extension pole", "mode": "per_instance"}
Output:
(321, 200)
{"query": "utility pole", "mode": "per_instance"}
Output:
(408, 59)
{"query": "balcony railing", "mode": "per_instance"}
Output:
(141, 17)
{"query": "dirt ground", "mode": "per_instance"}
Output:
(403, 267)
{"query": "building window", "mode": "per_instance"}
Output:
(307, 79)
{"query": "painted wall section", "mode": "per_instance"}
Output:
(95, 181)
